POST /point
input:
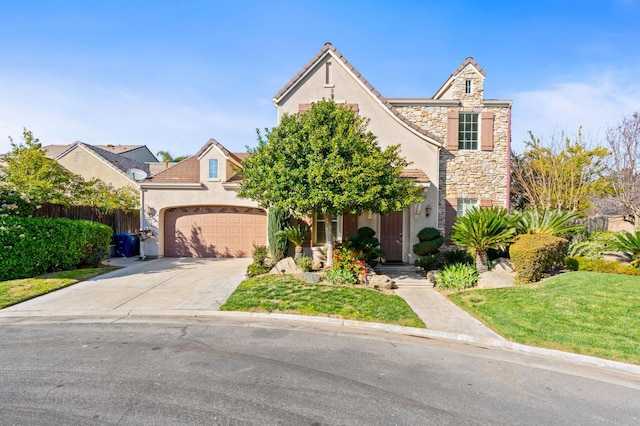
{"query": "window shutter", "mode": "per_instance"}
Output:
(451, 211)
(349, 225)
(452, 130)
(486, 131)
(486, 204)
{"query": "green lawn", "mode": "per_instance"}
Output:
(285, 294)
(16, 291)
(583, 312)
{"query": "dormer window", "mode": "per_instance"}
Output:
(213, 169)
(467, 86)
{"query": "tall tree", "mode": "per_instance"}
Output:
(326, 161)
(562, 175)
(624, 167)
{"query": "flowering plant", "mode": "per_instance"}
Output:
(352, 261)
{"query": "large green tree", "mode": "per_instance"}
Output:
(562, 174)
(326, 161)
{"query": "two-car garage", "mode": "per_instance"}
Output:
(213, 231)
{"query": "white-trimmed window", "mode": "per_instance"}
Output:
(466, 204)
(467, 86)
(319, 234)
(213, 169)
(468, 131)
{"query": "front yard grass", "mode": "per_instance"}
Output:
(583, 312)
(16, 291)
(286, 294)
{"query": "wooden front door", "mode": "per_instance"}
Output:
(391, 236)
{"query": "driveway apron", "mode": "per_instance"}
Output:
(166, 284)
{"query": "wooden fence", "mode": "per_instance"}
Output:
(119, 220)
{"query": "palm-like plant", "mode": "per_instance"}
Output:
(484, 229)
(628, 242)
(296, 235)
(548, 221)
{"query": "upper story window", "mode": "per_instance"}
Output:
(213, 169)
(467, 86)
(466, 204)
(468, 131)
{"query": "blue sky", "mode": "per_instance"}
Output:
(172, 74)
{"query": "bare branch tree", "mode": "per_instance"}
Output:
(624, 141)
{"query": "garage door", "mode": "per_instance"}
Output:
(214, 231)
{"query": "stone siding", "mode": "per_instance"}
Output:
(466, 174)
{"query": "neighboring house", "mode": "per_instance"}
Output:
(92, 162)
(458, 143)
(193, 211)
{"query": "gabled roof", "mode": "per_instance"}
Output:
(188, 170)
(116, 161)
(329, 49)
(214, 143)
(119, 149)
(463, 65)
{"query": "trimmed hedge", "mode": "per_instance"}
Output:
(534, 254)
(35, 246)
(428, 234)
(424, 248)
(580, 263)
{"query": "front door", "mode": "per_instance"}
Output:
(391, 236)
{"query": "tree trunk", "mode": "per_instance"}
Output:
(328, 231)
(298, 253)
(482, 263)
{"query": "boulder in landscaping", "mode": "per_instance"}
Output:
(286, 266)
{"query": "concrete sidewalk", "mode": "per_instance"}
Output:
(435, 310)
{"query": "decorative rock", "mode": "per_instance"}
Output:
(431, 276)
(286, 266)
(309, 276)
(381, 281)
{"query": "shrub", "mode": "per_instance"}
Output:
(429, 262)
(424, 248)
(352, 261)
(296, 235)
(428, 234)
(533, 255)
(577, 263)
(548, 221)
(34, 246)
(458, 256)
(630, 243)
(256, 269)
(482, 229)
(457, 276)
(305, 263)
(339, 276)
(367, 244)
(277, 220)
(589, 249)
(260, 254)
(15, 204)
(366, 232)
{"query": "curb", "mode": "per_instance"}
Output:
(118, 315)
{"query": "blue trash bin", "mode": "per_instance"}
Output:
(126, 244)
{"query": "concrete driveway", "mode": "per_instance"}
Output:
(168, 285)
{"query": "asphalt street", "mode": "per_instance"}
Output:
(235, 371)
